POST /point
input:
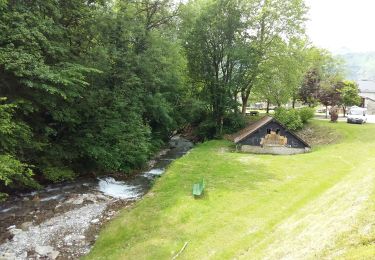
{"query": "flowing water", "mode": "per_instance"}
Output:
(55, 221)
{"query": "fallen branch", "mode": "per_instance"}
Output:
(182, 249)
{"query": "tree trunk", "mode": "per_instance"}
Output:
(236, 104)
(294, 103)
(219, 126)
(326, 111)
(344, 110)
(244, 104)
(268, 107)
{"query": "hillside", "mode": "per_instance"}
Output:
(318, 205)
(359, 65)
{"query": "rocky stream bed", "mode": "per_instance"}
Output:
(62, 221)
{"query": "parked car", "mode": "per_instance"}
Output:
(357, 115)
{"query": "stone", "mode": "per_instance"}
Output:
(90, 197)
(81, 237)
(94, 221)
(102, 197)
(7, 256)
(15, 231)
(11, 227)
(81, 243)
(54, 254)
(26, 225)
(77, 201)
(43, 250)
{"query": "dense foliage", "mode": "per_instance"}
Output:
(306, 113)
(350, 95)
(294, 119)
(89, 87)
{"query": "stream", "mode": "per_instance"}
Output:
(62, 221)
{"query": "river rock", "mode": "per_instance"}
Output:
(26, 225)
(43, 250)
(91, 197)
(54, 254)
(11, 227)
(76, 201)
(81, 198)
(94, 221)
(15, 231)
(67, 238)
(81, 237)
(7, 256)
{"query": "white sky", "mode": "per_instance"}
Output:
(342, 24)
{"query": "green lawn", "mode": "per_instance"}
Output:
(311, 206)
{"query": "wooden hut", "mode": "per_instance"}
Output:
(268, 136)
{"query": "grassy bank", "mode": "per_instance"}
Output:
(305, 206)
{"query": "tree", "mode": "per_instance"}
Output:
(323, 71)
(349, 95)
(272, 20)
(277, 83)
(330, 95)
(211, 50)
(309, 91)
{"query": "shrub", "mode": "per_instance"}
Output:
(56, 174)
(334, 115)
(306, 113)
(290, 118)
(14, 173)
(206, 129)
(233, 123)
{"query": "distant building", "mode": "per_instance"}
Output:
(367, 92)
(268, 136)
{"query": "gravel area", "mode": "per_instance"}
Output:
(48, 238)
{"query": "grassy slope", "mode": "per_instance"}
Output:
(256, 206)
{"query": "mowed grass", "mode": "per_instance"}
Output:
(309, 206)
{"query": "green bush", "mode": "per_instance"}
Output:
(290, 118)
(56, 174)
(233, 123)
(14, 136)
(14, 173)
(306, 113)
(206, 129)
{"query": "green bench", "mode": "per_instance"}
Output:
(198, 188)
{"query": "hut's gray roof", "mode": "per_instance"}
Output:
(366, 86)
